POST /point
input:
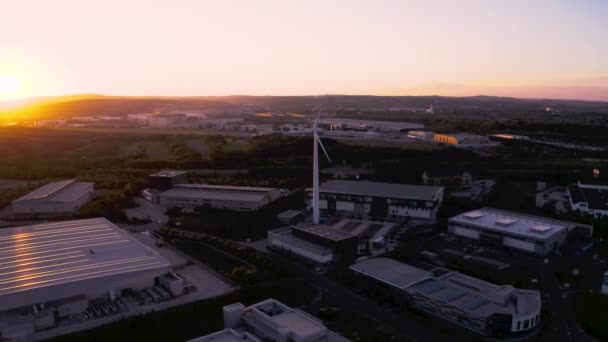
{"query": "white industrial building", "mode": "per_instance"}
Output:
(54, 199)
(190, 197)
(529, 233)
(591, 199)
(271, 321)
(53, 270)
(338, 124)
(373, 199)
(477, 305)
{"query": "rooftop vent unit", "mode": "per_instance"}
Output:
(541, 229)
(506, 221)
(473, 215)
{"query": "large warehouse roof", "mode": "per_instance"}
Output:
(376, 189)
(512, 223)
(49, 254)
(62, 191)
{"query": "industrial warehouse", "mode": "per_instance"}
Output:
(54, 270)
(384, 200)
(190, 197)
(55, 199)
(532, 234)
(270, 320)
(471, 303)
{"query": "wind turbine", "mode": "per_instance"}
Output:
(315, 169)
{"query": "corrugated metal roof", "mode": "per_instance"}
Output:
(63, 252)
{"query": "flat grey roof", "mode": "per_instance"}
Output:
(171, 173)
(62, 191)
(213, 194)
(376, 189)
(56, 253)
(392, 272)
(512, 223)
(323, 231)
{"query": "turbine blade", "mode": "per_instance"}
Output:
(322, 147)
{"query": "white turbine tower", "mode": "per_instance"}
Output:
(315, 169)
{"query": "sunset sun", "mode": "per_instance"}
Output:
(10, 87)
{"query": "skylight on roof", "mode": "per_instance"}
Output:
(541, 228)
(474, 215)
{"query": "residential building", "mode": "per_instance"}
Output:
(55, 199)
(476, 305)
(591, 199)
(271, 321)
(384, 200)
(522, 232)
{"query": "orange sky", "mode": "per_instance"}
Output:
(544, 48)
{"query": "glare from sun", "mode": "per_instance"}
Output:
(10, 87)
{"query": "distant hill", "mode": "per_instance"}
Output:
(42, 108)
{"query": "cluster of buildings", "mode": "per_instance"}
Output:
(339, 124)
(272, 321)
(171, 189)
(476, 305)
(52, 272)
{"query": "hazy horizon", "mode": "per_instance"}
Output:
(546, 49)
